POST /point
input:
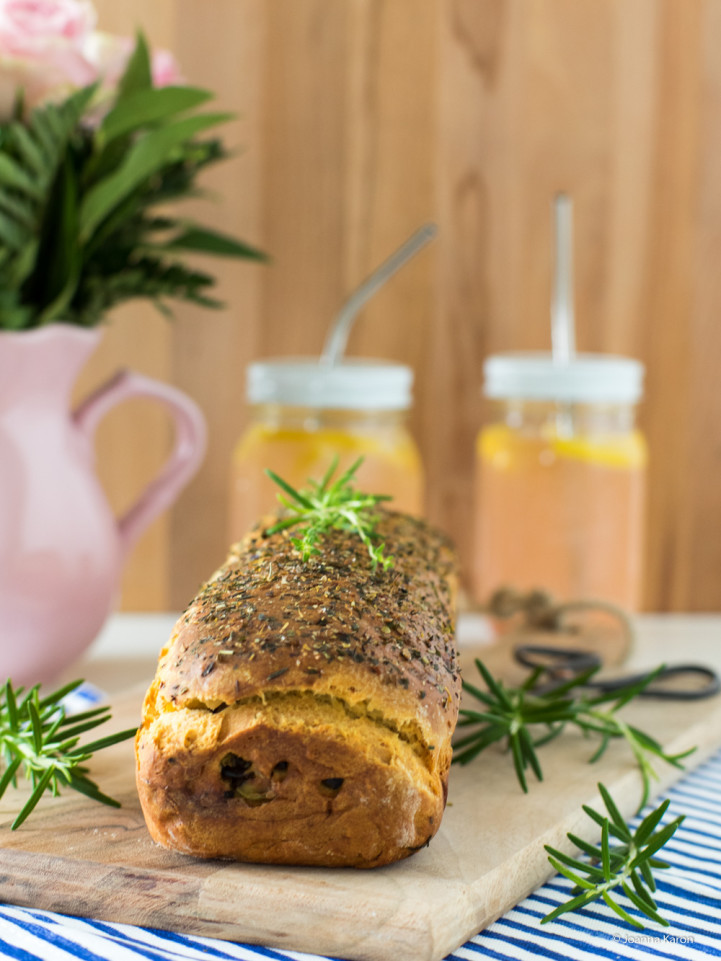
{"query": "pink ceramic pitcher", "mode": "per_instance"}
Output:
(61, 548)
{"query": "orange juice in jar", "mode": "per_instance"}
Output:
(560, 482)
(304, 413)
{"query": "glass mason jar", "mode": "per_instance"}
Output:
(303, 414)
(560, 479)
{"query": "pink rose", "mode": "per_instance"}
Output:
(50, 33)
(41, 49)
(166, 70)
(27, 25)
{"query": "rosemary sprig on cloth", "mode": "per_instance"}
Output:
(624, 867)
(517, 714)
(325, 505)
(38, 740)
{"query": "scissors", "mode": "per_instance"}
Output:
(560, 665)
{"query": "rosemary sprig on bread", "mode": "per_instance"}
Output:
(323, 506)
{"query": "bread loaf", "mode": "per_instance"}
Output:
(302, 712)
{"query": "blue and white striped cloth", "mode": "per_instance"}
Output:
(689, 897)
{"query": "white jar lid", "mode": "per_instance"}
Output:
(351, 384)
(587, 378)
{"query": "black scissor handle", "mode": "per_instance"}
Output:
(657, 686)
(562, 664)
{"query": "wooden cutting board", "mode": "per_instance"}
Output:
(78, 857)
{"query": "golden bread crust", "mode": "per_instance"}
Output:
(302, 712)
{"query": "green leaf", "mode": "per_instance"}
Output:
(575, 864)
(518, 761)
(478, 693)
(624, 915)
(574, 683)
(144, 158)
(22, 266)
(579, 881)
(283, 525)
(641, 890)
(345, 478)
(649, 823)
(599, 819)
(32, 801)
(327, 477)
(43, 126)
(585, 846)
(530, 753)
(15, 318)
(10, 705)
(36, 726)
(578, 902)
(97, 713)
(30, 151)
(87, 787)
(611, 808)
(56, 696)
(138, 73)
(643, 905)
(9, 774)
(146, 107)
(494, 686)
(111, 739)
(13, 176)
(60, 248)
(658, 863)
(657, 841)
(605, 852)
(203, 240)
(73, 732)
(290, 491)
(645, 868)
(646, 741)
(600, 750)
(17, 208)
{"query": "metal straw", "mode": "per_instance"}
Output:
(337, 339)
(563, 327)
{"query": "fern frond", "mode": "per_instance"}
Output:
(30, 161)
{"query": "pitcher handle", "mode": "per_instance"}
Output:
(184, 459)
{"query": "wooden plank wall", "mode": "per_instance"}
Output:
(361, 119)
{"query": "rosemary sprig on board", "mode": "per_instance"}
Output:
(325, 505)
(516, 714)
(624, 867)
(38, 740)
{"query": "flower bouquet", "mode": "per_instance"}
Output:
(98, 141)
